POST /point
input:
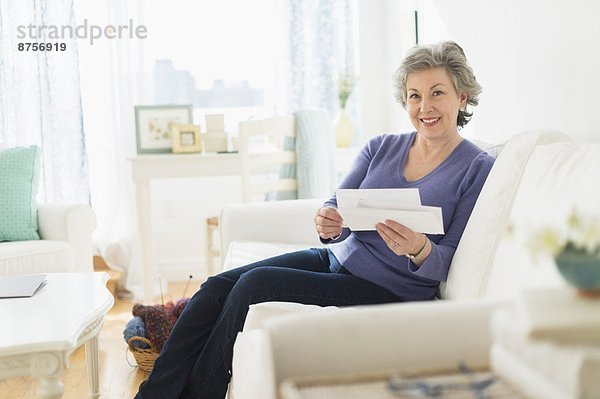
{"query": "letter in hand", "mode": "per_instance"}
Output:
(328, 222)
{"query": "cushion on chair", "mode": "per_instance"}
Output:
(474, 256)
(241, 253)
(261, 313)
(42, 256)
(315, 153)
(492, 149)
(19, 171)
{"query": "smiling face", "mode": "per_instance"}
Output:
(433, 103)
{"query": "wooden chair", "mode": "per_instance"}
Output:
(264, 156)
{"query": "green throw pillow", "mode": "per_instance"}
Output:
(19, 171)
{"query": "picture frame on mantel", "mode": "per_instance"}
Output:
(154, 124)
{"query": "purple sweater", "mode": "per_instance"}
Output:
(454, 186)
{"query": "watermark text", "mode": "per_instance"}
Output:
(84, 31)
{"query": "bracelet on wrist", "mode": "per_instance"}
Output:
(420, 251)
(338, 236)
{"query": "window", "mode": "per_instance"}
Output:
(222, 57)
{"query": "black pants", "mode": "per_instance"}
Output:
(196, 360)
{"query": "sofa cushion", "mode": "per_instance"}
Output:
(241, 253)
(19, 172)
(42, 256)
(557, 179)
(474, 256)
(261, 313)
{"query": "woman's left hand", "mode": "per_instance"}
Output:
(400, 239)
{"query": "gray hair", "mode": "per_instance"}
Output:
(448, 55)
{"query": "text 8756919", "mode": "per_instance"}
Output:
(42, 46)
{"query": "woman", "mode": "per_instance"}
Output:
(392, 264)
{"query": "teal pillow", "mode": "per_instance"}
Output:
(19, 172)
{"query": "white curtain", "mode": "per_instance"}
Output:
(112, 77)
(40, 100)
(321, 50)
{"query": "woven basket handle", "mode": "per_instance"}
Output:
(133, 339)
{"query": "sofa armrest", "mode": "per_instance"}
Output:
(288, 222)
(414, 336)
(73, 224)
(411, 337)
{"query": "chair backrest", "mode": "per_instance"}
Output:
(263, 153)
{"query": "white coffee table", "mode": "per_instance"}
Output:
(38, 334)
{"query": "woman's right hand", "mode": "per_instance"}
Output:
(328, 223)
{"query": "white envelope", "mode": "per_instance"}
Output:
(402, 197)
(426, 220)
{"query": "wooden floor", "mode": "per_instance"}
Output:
(118, 380)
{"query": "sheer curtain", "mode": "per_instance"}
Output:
(321, 38)
(40, 100)
(112, 76)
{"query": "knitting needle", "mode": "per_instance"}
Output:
(162, 300)
(186, 286)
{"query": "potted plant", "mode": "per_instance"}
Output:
(576, 252)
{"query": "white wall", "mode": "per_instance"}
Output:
(372, 69)
(382, 42)
(538, 61)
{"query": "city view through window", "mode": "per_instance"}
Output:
(222, 57)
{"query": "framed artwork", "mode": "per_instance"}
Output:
(186, 138)
(154, 124)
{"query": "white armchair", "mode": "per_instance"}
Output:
(280, 339)
(65, 243)
(285, 226)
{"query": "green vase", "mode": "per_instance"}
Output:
(581, 270)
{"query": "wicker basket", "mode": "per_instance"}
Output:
(144, 357)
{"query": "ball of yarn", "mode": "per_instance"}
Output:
(136, 328)
(159, 321)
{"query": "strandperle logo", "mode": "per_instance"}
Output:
(84, 31)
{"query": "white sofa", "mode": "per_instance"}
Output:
(537, 179)
(65, 243)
